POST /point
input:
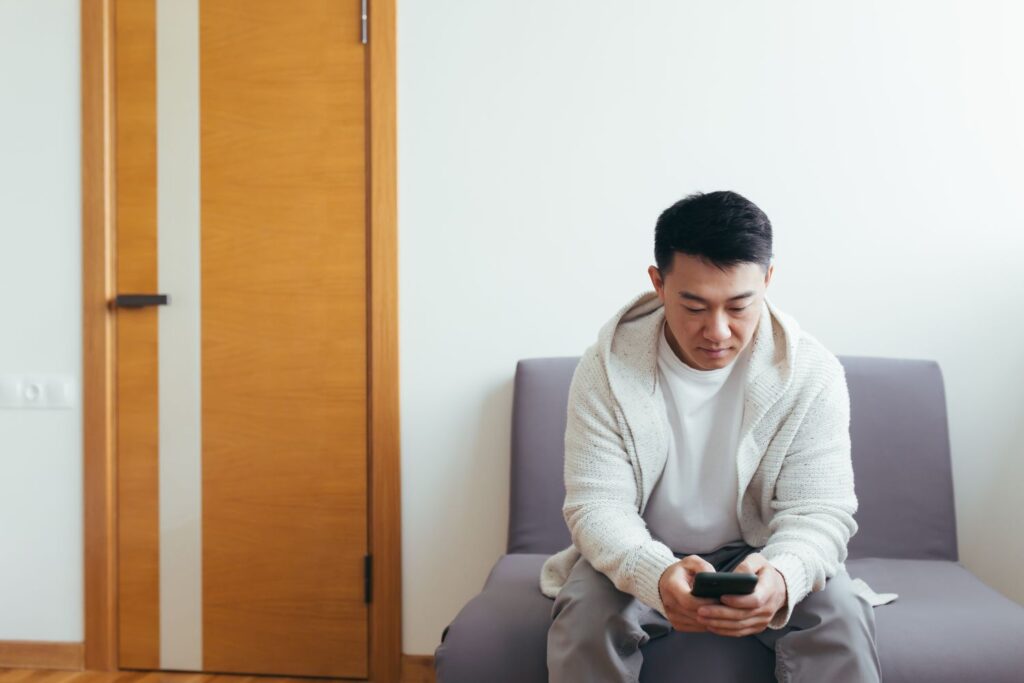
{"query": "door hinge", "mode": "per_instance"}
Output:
(363, 22)
(367, 578)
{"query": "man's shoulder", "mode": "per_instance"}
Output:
(812, 352)
(590, 375)
(816, 366)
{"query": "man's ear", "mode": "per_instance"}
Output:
(659, 286)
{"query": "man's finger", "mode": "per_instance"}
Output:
(696, 602)
(696, 563)
(683, 621)
(730, 625)
(752, 564)
(745, 568)
(725, 613)
(756, 598)
(685, 624)
(682, 598)
(749, 601)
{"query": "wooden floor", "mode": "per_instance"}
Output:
(49, 676)
(415, 669)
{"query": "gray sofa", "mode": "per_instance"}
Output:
(946, 624)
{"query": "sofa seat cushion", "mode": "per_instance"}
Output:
(500, 635)
(946, 626)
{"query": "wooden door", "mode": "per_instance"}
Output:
(241, 404)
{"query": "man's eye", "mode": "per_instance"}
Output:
(701, 310)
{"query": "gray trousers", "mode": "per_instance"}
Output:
(597, 630)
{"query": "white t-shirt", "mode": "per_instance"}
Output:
(692, 508)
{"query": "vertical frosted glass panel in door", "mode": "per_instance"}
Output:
(178, 238)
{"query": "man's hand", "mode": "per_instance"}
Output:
(744, 615)
(675, 586)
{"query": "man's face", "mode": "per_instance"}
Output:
(707, 309)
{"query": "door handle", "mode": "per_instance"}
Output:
(140, 300)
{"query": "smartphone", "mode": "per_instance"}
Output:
(717, 584)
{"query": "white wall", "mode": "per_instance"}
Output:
(40, 318)
(539, 140)
(537, 145)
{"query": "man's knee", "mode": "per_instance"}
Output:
(596, 630)
(838, 605)
(590, 609)
(848, 604)
(834, 633)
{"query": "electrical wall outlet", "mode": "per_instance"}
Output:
(46, 391)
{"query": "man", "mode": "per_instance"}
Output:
(706, 431)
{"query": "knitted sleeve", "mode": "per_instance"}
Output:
(601, 492)
(814, 498)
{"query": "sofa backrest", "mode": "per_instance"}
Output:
(898, 432)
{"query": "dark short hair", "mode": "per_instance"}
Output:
(724, 228)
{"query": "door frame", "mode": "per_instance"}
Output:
(99, 399)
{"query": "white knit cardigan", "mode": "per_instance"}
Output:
(795, 477)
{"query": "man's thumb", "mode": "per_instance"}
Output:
(694, 564)
(748, 567)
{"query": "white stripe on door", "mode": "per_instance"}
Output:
(180, 490)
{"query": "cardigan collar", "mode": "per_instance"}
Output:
(628, 343)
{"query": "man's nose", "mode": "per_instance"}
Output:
(717, 330)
